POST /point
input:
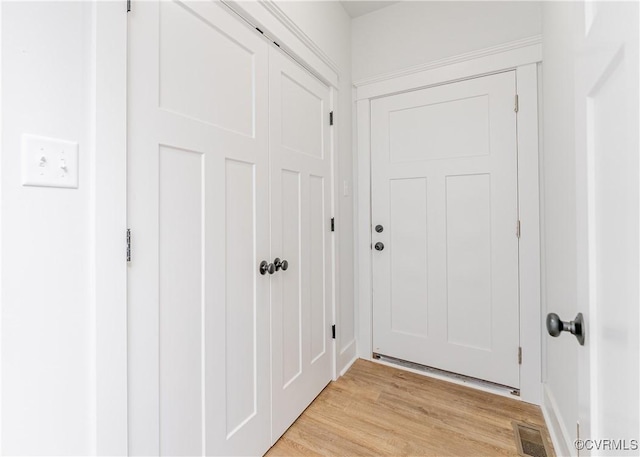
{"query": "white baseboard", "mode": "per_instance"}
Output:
(560, 436)
(347, 358)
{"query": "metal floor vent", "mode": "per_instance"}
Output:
(529, 440)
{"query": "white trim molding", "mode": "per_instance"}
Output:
(560, 436)
(517, 44)
(335, 240)
(277, 27)
(523, 57)
(345, 356)
(507, 56)
(285, 20)
(109, 223)
(347, 364)
(529, 243)
(1, 205)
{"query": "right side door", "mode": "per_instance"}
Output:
(300, 161)
(607, 197)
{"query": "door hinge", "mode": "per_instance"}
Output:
(128, 6)
(516, 104)
(518, 229)
(333, 224)
(333, 331)
(519, 355)
(331, 118)
(128, 245)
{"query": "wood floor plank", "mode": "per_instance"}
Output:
(377, 410)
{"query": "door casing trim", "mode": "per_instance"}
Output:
(524, 60)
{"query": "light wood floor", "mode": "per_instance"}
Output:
(376, 410)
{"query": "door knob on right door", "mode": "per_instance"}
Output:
(555, 326)
(378, 246)
(280, 264)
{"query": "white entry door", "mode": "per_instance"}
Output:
(300, 234)
(444, 216)
(199, 356)
(607, 172)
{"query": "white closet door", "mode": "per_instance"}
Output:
(300, 228)
(198, 210)
(444, 193)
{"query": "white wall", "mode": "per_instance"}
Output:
(47, 329)
(329, 26)
(559, 213)
(416, 32)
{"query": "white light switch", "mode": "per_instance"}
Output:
(49, 162)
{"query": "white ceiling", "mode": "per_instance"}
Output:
(357, 8)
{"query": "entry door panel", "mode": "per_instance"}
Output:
(199, 359)
(444, 190)
(300, 227)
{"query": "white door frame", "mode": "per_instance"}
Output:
(109, 194)
(522, 56)
(109, 220)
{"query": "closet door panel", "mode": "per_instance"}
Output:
(317, 268)
(300, 226)
(192, 81)
(240, 310)
(181, 301)
(199, 355)
(291, 298)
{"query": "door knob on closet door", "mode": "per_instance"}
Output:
(280, 264)
(379, 246)
(267, 268)
(555, 326)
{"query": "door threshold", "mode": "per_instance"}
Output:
(443, 375)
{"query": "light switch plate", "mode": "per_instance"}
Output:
(49, 162)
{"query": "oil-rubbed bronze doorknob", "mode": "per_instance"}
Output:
(379, 246)
(555, 326)
(280, 264)
(267, 268)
